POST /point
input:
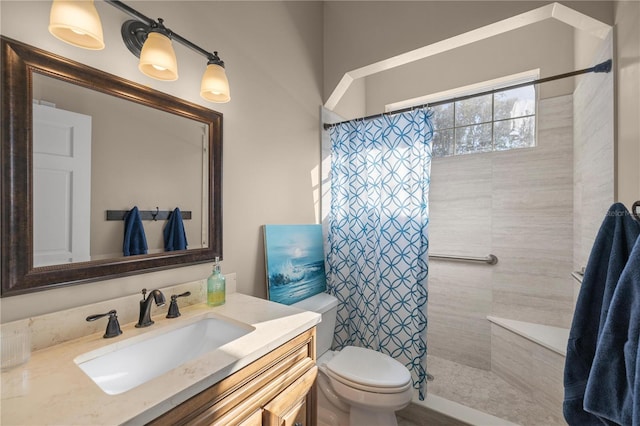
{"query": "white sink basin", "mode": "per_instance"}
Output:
(131, 365)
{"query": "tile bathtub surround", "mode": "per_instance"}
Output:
(517, 205)
(58, 327)
(532, 224)
(459, 297)
(460, 293)
(593, 155)
(531, 368)
(552, 338)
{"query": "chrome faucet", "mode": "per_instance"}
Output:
(145, 306)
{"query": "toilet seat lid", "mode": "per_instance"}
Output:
(368, 369)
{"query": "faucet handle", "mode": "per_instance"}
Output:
(174, 312)
(113, 327)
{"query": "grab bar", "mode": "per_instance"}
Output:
(578, 275)
(490, 259)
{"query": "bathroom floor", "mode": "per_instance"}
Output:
(405, 422)
(485, 391)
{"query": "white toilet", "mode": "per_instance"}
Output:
(356, 386)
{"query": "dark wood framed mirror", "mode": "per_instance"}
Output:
(21, 66)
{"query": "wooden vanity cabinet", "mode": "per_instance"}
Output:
(275, 390)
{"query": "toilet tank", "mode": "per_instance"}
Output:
(327, 306)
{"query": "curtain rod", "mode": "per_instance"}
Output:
(602, 67)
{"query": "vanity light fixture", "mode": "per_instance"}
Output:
(157, 58)
(215, 86)
(76, 23)
(146, 38)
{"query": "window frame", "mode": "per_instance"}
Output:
(468, 92)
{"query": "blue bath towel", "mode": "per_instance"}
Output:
(175, 237)
(613, 389)
(135, 241)
(611, 249)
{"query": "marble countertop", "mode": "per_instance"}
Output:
(51, 389)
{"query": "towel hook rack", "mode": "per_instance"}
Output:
(147, 214)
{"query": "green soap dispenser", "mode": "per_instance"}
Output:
(216, 286)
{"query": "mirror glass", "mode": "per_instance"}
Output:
(94, 152)
(80, 147)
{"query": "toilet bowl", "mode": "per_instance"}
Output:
(361, 387)
(357, 386)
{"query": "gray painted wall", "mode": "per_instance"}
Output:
(271, 151)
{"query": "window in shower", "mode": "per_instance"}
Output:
(495, 122)
(500, 121)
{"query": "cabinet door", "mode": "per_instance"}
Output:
(282, 380)
(253, 420)
(291, 406)
(297, 415)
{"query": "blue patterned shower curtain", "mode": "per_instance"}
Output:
(377, 236)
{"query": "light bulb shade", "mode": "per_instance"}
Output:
(157, 58)
(76, 23)
(215, 86)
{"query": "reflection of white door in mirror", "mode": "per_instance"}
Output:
(61, 186)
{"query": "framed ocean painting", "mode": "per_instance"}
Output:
(294, 259)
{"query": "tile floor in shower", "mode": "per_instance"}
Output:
(486, 392)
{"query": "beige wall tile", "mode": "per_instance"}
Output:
(594, 160)
(459, 299)
(519, 206)
(530, 367)
(548, 369)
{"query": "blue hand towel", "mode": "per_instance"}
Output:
(135, 241)
(614, 381)
(611, 249)
(174, 236)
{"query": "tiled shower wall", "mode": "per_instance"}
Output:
(517, 205)
(593, 157)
